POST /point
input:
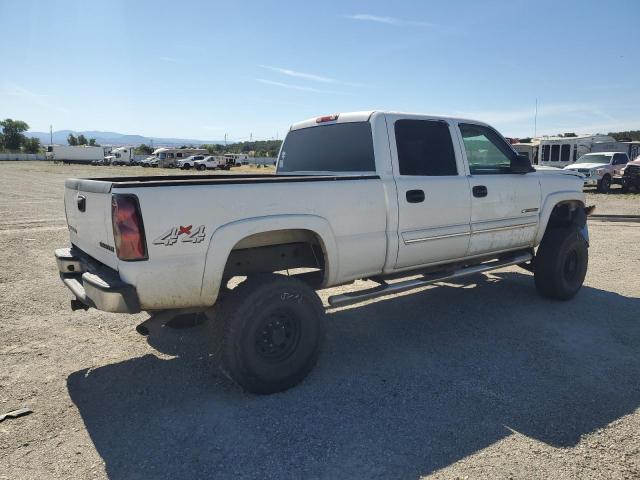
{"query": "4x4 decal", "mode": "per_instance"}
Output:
(183, 234)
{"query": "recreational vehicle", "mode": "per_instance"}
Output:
(563, 151)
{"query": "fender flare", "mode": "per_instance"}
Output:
(225, 237)
(550, 203)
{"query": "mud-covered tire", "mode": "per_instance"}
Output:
(561, 263)
(271, 329)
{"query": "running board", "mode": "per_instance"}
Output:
(389, 289)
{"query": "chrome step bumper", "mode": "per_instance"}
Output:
(95, 285)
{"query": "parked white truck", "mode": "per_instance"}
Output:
(120, 156)
(368, 195)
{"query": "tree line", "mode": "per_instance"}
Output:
(629, 135)
(14, 140)
(81, 140)
(261, 148)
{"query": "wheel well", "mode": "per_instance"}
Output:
(570, 212)
(298, 251)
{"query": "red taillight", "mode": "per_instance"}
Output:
(128, 230)
(327, 118)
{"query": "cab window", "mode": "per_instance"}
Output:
(487, 152)
(425, 148)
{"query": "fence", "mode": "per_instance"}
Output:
(21, 156)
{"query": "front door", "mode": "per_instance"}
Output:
(504, 205)
(433, 192)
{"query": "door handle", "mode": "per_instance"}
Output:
(415, 196)
(479, 191)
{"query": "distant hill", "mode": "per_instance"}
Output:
(114, 138)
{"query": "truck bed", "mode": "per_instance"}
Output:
(105, 184)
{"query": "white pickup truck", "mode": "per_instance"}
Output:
(366, 195)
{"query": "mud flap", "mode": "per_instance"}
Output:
(584, 231)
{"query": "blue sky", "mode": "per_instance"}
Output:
(203, 69)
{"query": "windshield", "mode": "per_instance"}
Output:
(162, 156)
(340, 147)
(604, 159)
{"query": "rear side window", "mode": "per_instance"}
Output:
(425, 148)
(565, 153)
(555, 153)
(339, 147)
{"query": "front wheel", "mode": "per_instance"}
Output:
(604, 185)
(186, 166)
(561, 263)
(272, 332)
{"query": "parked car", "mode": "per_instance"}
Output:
(369, 195)
(189, 162)
(630, 176)
(212, 162)
(151, 161)
(600, 169)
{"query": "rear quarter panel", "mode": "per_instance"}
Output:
(187, 273)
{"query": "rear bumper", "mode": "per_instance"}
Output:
(94, 284)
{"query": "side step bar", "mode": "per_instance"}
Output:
(388, 289)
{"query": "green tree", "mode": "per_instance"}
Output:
(82, 140)
(13, 133)
(628, 136)
(92, 142)
(72, 140)
(143, 149)
(31, 145)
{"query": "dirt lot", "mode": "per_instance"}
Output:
(476, 379)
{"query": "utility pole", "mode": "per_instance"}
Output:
(251, 137)
(50, 134)
(225, 139)
(535, 121)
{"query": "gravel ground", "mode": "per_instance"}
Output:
(474, 379)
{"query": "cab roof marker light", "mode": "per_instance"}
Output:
(327, 118)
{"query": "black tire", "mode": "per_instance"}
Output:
(201, 167)
(625, 187)
(186, 166)
(272, 332)
(561, 263)
(604, 185)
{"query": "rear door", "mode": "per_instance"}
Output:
(88, 209)
(433, 191)
(504, 205)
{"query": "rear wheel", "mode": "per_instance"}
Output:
(604, 185)
(201, 167)
(272, 331)
(561, 263)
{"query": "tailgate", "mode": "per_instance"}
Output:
(87, 204)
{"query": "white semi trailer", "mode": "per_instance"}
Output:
(79, 154)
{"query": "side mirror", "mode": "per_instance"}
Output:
(521, 164)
